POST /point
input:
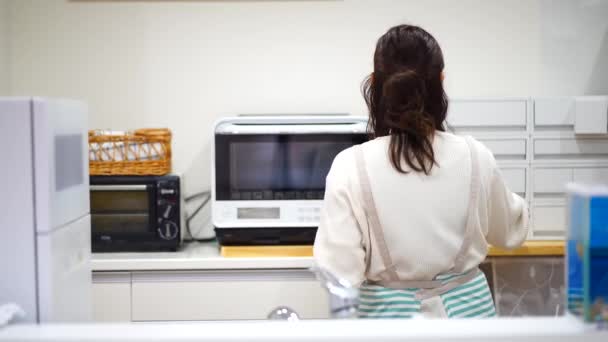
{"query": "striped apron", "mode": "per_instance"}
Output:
(455, 293)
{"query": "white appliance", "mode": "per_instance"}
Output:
(45, 247)
(268, 174)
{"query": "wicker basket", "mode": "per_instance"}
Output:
(138, 153)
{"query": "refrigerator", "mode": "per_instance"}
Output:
(45, 244)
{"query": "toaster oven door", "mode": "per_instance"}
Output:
(122, 214)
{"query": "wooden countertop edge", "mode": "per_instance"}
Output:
(265, 251)
(530, 248)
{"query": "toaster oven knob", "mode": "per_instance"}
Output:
(167, 211)
(168, 230)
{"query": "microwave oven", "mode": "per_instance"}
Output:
(268, 175)
(135, 213)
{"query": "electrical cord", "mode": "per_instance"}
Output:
(207, 197)
(200, 207)
(197, 195)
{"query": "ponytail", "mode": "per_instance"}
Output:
(411, 128)
(406, 100)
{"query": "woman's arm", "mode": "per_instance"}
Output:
(338, 244)
(508, 216)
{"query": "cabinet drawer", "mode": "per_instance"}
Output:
(488, 113)
(549, 220)
(226, 296)
(515, 179)
(506, 148)
(582, 115)
(551, 180)
(591, 175)
(591, 115)
(554, 113)
(111, 296)
(570, 148)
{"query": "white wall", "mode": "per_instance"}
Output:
(574, 46)
(182, 64)
(4, 77)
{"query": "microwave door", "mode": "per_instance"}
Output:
(253, 167)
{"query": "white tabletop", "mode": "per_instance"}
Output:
(518, 329)
(192, 256)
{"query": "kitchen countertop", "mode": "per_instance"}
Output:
(471, 330)
(192, 256)
(206, 256)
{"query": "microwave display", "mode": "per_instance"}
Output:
(277, 167)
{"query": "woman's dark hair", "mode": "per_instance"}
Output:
(405, 96)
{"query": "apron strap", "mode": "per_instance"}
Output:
(448, 286)
(430, 288)
(472, 216)
(408, 284)
(389, 276)
(369, 206)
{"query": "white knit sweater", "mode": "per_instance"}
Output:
(423, 217)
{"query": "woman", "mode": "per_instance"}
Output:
(409, 215)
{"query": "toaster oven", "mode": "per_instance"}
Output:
(135, 213)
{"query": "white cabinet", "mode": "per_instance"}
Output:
(488, 113)
(206, 295)
(591, 175)
(551, 180)
(225, 295)
(548, 210)
(111, 296)
(591, 115)
(554, 113)
(571, 148)
(549, 193)
(549, 218)
(506, 148)
(502, 125)
(580, 115)
(516, 179)
(562, 152)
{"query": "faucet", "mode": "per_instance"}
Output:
(343, 297)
